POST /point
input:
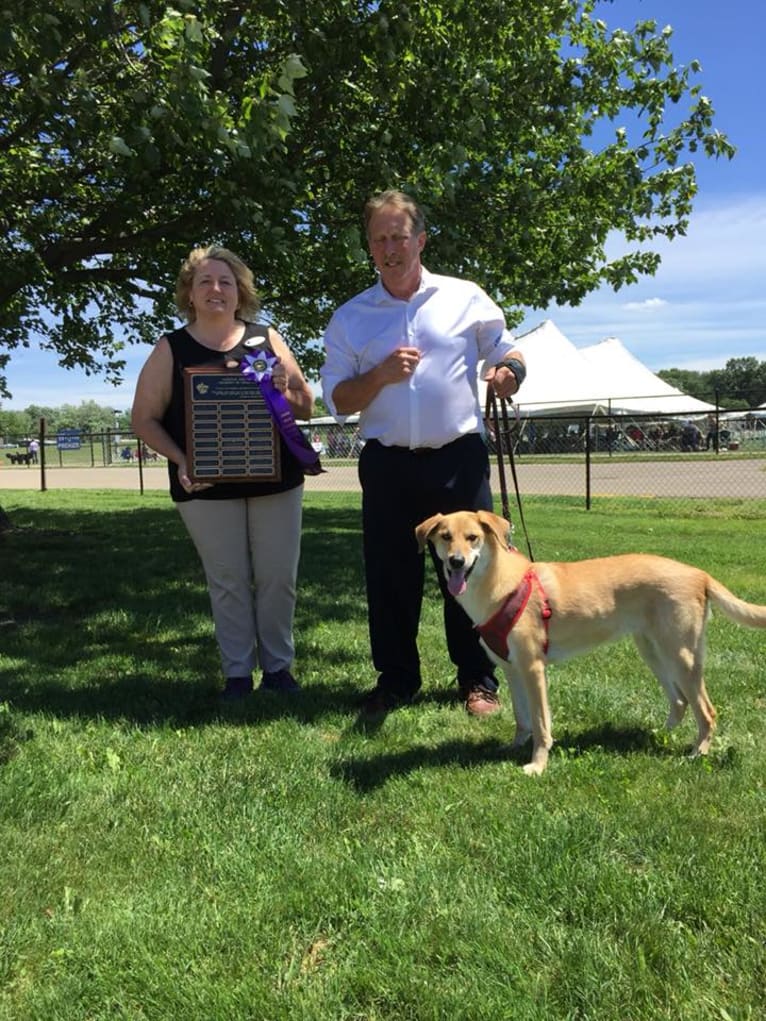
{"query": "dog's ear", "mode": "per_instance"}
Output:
(495, 525)
(425, 528)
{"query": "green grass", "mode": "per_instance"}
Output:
(163, 859)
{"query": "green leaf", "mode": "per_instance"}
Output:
(537, 132)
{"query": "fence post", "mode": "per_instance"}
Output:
(139, 450)
(43, 485)
(587, 464)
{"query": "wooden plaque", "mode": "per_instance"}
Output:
(230, 434)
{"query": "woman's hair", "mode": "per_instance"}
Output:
(248, 298)
(401, 201)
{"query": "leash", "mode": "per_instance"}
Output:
(504, 446)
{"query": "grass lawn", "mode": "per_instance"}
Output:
(164, 859)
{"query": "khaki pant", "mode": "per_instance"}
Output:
(250, 550)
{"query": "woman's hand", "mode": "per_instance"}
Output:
(289, 380)
(279, 376)
(188, 485)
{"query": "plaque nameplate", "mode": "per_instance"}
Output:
(230, 434)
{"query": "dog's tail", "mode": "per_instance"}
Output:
(736, 609)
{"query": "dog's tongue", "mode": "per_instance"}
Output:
(456, 583)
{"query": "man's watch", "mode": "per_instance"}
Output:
(517, 367)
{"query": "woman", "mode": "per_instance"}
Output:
(247, 533)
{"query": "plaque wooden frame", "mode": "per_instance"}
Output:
(230, 433)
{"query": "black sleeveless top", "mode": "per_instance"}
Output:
(187, 353)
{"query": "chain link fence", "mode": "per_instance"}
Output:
(75, 448)
(720, 456)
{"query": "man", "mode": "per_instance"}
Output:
(405, 354)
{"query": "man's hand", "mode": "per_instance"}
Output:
(399, 365)
(356, 393)
(503, 379)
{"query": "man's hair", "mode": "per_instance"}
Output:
(248, 297)
(391, 197)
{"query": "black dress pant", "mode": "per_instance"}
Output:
(401, 488)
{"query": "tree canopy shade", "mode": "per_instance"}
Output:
(131, 131)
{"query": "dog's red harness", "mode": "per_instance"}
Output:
(495, 631)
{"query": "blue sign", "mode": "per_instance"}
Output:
(68, 439)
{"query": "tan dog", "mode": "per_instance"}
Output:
(530, 614)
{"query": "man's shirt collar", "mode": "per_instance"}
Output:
(381, 296)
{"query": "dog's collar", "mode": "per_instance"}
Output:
(495, 631)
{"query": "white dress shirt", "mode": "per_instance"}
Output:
(454, 325)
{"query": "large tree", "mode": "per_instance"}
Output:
(131, 130)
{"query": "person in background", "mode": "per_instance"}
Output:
(247, 534)
(711, 439)
(690, 437)
(405, 353)
(34, 450)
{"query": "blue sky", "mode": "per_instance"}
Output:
(706, 303)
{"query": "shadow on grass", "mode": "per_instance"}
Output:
(367, 774)
(145, 702)
(101, 615)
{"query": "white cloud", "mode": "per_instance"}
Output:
(649, 303)
(705, 305)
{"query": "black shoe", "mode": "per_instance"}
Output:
(236, 689)
(281, 681)
(379, 701)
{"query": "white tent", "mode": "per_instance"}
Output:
(604, 377)
(637, 388)
(558, 378)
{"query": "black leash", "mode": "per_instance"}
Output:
(504, 445)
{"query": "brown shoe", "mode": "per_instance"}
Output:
(480, 702)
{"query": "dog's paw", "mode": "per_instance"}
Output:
(539, 761)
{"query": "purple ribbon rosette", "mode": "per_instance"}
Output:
(258, 367)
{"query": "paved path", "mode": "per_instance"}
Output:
(744, 479)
